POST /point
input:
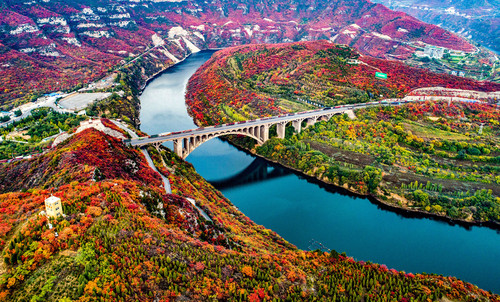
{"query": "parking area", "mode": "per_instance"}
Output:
(81, 100)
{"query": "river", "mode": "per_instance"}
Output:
(301, 210)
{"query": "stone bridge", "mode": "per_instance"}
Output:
(188, 140)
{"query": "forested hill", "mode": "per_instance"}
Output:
(47, 46)
(478, 20)
(262, 79)
(124, 239)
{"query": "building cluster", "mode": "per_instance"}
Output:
(436, 52)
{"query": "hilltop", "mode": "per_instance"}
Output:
(475, 19)
(47, 46)
(261, 80)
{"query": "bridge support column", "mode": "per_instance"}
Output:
(327, 117)
(255, 131)
(157, 146)
(186, 150)
(280, 129)
(192, 144)
(264, 133)
(297, 125)
(178, 147)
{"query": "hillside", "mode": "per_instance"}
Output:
(125, 239)
(478, 20)
(261, 80)
(433, 157)
(47, 46)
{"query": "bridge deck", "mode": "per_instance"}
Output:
(258, 122)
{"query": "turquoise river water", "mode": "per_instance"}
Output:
(303, 211)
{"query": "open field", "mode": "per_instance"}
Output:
(430, 132)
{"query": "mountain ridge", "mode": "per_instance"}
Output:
(475, 19)
(72, 44)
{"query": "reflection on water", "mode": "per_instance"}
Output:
(300, 210)
(259, 170)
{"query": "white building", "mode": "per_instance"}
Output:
(434, 52)
(53, 206)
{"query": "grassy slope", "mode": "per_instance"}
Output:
(260, 80)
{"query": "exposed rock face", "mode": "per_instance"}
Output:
(47, 46)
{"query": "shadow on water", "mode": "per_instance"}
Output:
(382, 206)
(258, 170)
(261, 170)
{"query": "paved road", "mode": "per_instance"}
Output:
(27, 111)
(124, 127)
(166, 182)
(286, 118)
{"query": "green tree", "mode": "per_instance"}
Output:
(372, 177)
(421, 197)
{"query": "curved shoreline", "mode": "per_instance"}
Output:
(406, 212)
(403, 211)
(159, 73)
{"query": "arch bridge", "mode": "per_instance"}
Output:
(188, 140)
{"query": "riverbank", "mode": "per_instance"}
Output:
(159, 73)
(406, 212)
(387, 204)
(434, 152)
(362, 229)
(376, 199)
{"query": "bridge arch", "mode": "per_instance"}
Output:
(186, 141)
(185, 146)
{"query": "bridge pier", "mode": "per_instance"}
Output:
(178, 147)
(297, 124)
(187, 141)
(264, 133)
(192, 144)
(157, 146)
(187, 148)
(280, 129)
(255, 131)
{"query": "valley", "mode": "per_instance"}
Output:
(476, 20)
(436, 157)
(73, 44)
